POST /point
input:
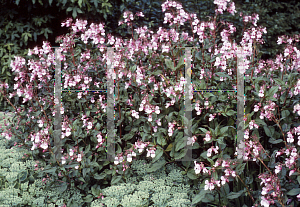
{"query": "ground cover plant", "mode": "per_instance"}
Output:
(223, 181)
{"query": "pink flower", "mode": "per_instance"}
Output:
(209, 185)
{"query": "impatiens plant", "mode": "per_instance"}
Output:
(149, 82)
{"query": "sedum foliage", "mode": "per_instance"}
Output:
(20, 185)
(165, 187)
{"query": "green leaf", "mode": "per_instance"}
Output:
(81, 179)
(80, 3)
(202, 84)
(199, 197)
(115, 179)
(234, 195)
(74, 14)
(96, 3)
(179, 155)
(50, 2)
(267, 131)
(69, 9)
(203, 130)
(191, 174)
(230, 112)
(199, 55)
(169, 148)
(223, 131)
(180, 63)
(204, 154)
(88, 198)
(294, 192)
(180, 144)
(156, 166)
(169, 63)
(100, 177)
(79, 11)
(208, 198)
(207, 95)
(179, 135)
(270, 93)
(62, 188)
(279, 82)
(158, 153)
(161, 140)
(240, 168)
(274, 141)
(23, 175)
(258, 121)
(285, 113)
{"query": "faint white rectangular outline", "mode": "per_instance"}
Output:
(110, 107)
(188, 108)
(188, 111)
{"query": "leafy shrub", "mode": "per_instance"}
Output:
(167, 148)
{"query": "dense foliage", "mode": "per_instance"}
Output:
(27, 23)
(168, 147)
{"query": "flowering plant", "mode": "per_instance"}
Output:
(78, 147)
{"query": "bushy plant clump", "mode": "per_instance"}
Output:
(160, 121)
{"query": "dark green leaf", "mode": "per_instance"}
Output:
(240, 168)
(294, 192)
(208, 198)
(158, 153)
(156, 166)
(274, 141)
(181, 143)
(199, 197)
(115, 179)
(234, 195)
